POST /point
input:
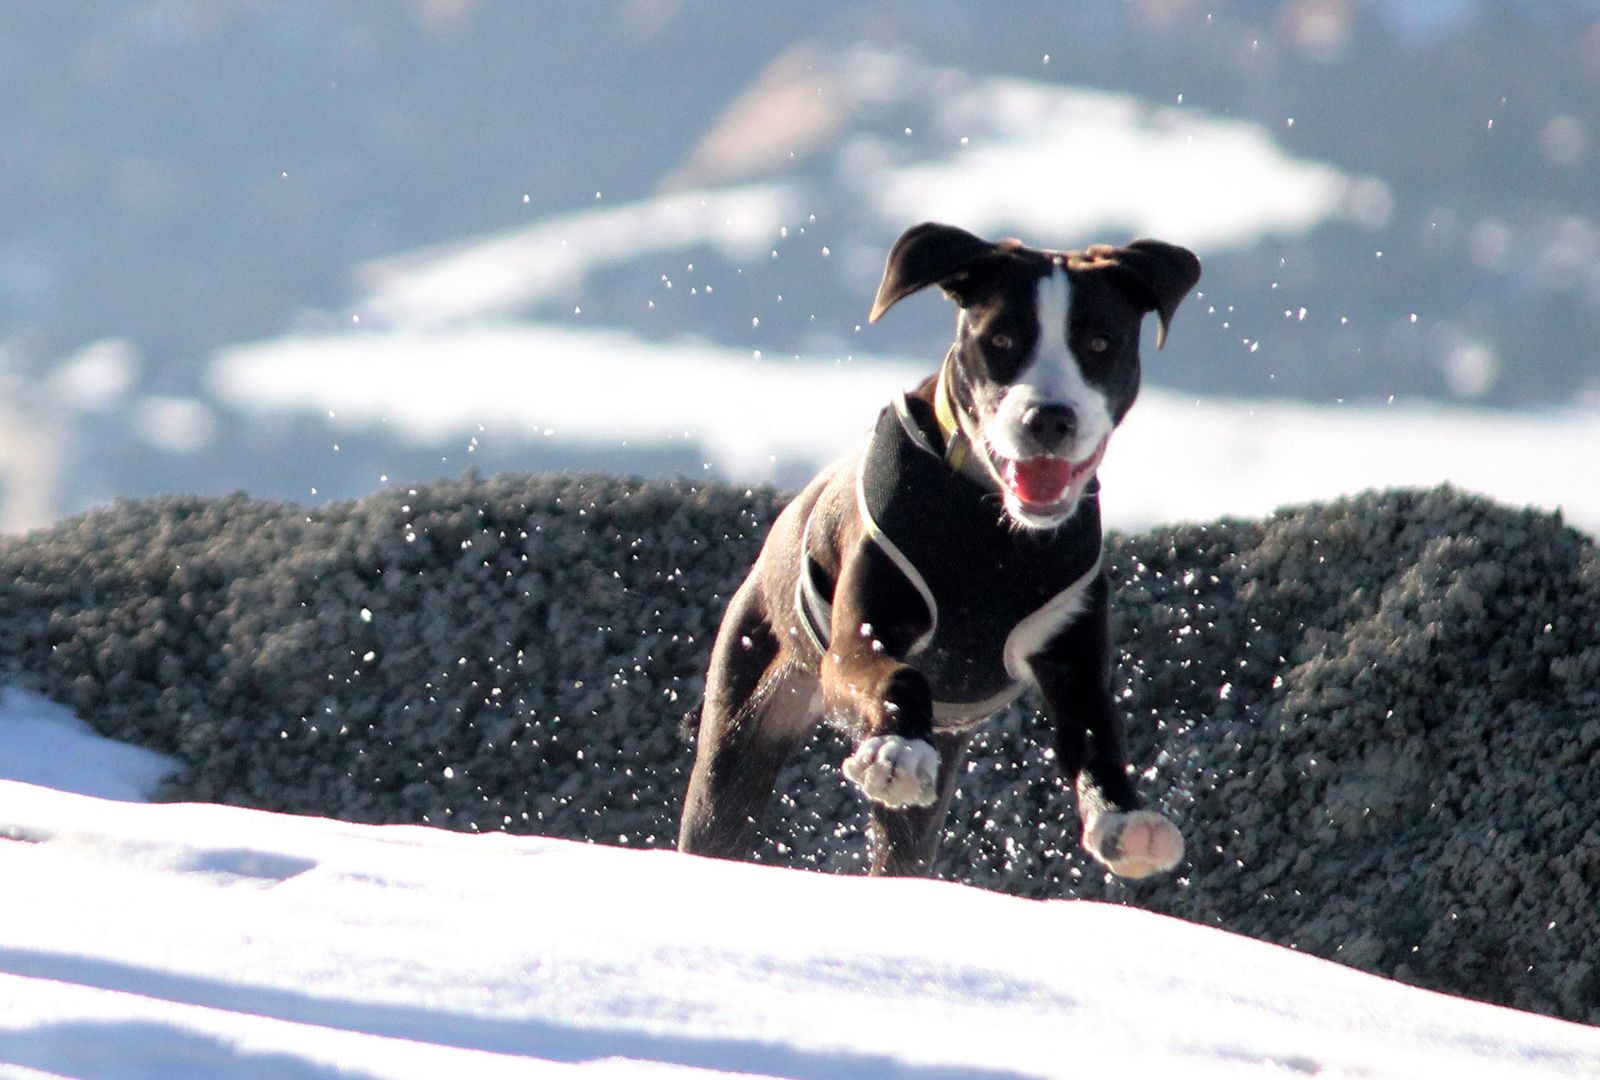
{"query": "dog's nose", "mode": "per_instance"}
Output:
(1050, 426)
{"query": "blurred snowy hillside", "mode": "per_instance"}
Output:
(309, 250)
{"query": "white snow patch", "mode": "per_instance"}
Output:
(586, 388)
(1070, 165)
(553, 258)
(1176, 458)
(44, 743)
(97, 377)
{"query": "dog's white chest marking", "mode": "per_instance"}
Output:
(1025, 641)
(1032, 634)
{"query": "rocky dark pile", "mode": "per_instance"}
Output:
(1377, 721)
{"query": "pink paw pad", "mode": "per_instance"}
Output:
(1134, 845)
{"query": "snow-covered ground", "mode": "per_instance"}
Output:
(1177, 458)
(187, 940)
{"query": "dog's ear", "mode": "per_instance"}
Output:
(927, 254)
(1159, 276)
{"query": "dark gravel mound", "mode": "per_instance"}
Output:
(1377, 721)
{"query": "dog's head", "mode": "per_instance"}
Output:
(1046, 359)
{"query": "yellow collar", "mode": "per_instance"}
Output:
(957, 446)
(955, 440)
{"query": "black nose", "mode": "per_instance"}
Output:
(1050, 426)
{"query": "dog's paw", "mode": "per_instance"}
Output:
(895, 771)
(1134, 845)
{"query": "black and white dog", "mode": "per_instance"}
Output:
(911, 591)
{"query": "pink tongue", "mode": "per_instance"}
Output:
(1039, 481)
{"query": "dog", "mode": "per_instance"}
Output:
(911, 591)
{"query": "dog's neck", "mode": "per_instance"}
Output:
(958, 449)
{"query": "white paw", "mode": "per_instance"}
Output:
(1134, 845)
(895, 771)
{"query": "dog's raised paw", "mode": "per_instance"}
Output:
(1134, 845)
(895, 771)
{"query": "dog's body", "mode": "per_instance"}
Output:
(910, 592)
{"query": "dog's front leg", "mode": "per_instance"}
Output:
(1074, 676)
(878, 617)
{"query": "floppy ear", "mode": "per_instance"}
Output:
(1161, 275)
(926, 254)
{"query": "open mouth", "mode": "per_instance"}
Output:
(1049, 485)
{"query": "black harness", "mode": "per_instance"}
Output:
(981, 577)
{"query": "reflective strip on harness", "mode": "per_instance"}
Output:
(896, 556)
(994, 594)
(816, 610)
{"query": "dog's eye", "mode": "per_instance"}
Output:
(1099, 343)
(1000, 341)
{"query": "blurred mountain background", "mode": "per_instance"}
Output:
(212, 212)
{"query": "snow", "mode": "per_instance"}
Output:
(43, 743)
(445, 349)
(195, 940)
(1181, 174)
(1246, 458)
(1002, 157)
(1232, 457)
(554, 258)
(586, 388)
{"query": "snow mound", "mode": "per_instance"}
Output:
(1375, 719)
(247, 944)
